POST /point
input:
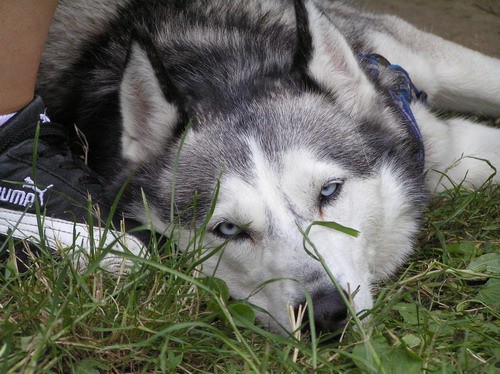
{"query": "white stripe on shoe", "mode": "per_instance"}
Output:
(59, 233)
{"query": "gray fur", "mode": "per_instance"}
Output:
(214, 84)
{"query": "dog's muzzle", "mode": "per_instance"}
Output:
(329, 310)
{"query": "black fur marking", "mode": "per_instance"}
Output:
(304, 49)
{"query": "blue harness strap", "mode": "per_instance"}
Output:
(401, 95)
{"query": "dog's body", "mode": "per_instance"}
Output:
(286, 129)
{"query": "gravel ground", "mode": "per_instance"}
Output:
(474, 23)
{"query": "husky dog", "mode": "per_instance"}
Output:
(279, 111)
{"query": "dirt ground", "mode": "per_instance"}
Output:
(472, 23)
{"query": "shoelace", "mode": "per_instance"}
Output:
(27, 132)
(55, 137)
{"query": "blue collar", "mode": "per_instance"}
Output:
(401, 94)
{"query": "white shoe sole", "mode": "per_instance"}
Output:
(59, 233)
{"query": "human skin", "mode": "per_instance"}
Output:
(24, 25)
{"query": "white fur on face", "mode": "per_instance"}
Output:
(284, 196)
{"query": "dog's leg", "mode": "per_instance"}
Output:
(454, 77)
(458, 151)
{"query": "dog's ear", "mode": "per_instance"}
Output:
(323, 55)
(150, 110)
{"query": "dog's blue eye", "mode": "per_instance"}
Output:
(329, 189)
(227, 230)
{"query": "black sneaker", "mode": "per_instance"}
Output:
(55, 192)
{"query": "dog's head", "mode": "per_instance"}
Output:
(311, 142)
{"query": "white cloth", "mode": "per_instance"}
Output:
(5, 117)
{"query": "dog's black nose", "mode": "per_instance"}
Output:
(330, 311)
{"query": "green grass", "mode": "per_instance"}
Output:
(438, 315)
